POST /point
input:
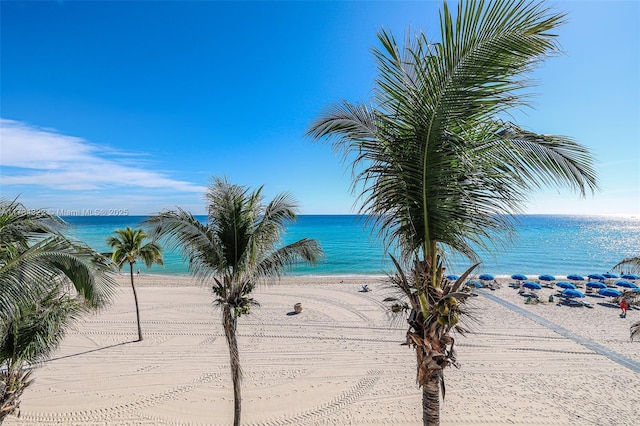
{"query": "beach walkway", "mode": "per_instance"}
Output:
(588, 343)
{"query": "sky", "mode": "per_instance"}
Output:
(114, 107)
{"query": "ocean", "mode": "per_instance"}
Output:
(549, 244)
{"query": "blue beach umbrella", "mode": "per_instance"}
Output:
(597, 277)
(565, 284)
(627, 284)
(596, 284)
(452, 277)
(628, 277)
(486, 277)
(546, 277)
(570, 292)
(575, 277)
(531, 285)
(609, 275)
(519, 277)
(609, 292)
(475, 284)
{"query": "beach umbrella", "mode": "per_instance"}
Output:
(609, 292)
(546, 277)
(575, 277)
(596, 284)
(475, 284)
(565, 284)
(609, 275)
(452, 277)
(597, 277)
(629, 277)
(627, 284)
(485, 277)
(531, 285)
(570, 292)
(519, 277)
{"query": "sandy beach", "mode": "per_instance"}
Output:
(339, 362)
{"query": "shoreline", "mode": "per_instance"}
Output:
(147, 278)
(289, 276)
(338, 362)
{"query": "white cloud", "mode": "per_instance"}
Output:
(45, 158)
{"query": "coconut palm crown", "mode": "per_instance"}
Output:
(437, 166)
(238, 246)
(128, 247)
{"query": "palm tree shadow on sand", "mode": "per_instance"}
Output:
(91, 351)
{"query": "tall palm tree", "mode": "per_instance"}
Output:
(46, 280)
(128, 247)
(436, 165)
(239, 245)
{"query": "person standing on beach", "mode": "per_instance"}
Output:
(623, 308)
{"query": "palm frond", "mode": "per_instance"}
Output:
(278, 260)
(635, 330)
(56, 259)
(38, 326)
(630, 265)
(198, 242)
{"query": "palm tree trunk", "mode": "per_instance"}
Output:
(230, 325)
(135, 298)
(431, 401)
(13, 381)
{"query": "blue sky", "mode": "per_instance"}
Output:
(136, 105)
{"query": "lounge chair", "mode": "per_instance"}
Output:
(574, 303)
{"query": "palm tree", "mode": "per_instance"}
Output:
(46, 280)
(237, 247)
(128, 246)
(437, 167)
(30, 336)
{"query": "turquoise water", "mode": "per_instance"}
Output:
(551, 244)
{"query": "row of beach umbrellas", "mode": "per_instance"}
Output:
(599, 277)
(570, 288)
(547, 277)
(575, 277)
